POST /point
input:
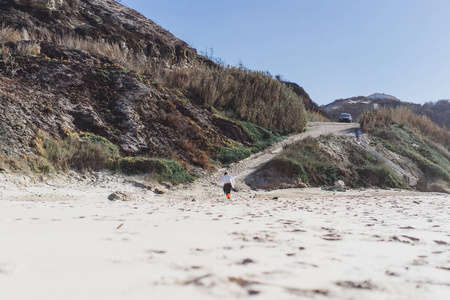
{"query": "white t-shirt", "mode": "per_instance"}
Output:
(226, 179)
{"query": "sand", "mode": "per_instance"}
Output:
(62, 238)
(62, 242)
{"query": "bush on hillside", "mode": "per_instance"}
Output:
(404, 117)
(87, 151)
(231, 154)
(432, 160)
(261, 137)
(308, 161)
(159, 169)
(253, 96)
(80, 151)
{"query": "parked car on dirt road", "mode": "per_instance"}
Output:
(345, 117)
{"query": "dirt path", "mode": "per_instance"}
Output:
(203, 188)
(247, 166)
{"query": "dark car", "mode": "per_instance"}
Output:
(345, 117)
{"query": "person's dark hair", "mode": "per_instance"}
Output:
(226, 173)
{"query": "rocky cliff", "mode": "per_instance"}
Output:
(104, 20)
(47, 85)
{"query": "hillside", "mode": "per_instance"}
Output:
(438, 112)
(73, 66)
(395, 149)
(93, 85)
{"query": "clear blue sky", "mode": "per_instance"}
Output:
(332, 48)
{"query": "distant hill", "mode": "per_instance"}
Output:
(438, 112)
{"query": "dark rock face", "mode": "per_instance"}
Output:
(104, 20)
(102, 98)
(41, 4)
(56, 88)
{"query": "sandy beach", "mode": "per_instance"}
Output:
(67, 240)
(105, 236)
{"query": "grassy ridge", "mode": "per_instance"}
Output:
(253, 96)
(413, 136)
(404, 118)
(314, 161)
(431, 162)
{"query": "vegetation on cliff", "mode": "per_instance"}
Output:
(96, 85)
(413, 142)
(158, 102)
(415, 137)
(324, 160)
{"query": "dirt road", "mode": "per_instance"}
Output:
(245, 167)
(203, 188)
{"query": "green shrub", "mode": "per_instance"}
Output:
(407, 143)
(228, 155)
(311, 166)
(288, 167)
(83, 151)
(95, 139)
(305, 160)
(161, 169)
(261, 137)
(378, 176)
(41, 165)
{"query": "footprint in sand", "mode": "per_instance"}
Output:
(404, 239)
(365, 285)
(246, 261)
(441, 242)
(332, 237)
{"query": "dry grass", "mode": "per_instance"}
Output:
(14, 164)
(404, 117)
(314, 116)
(254, 96)
(28, 48)
(129, 59)
(79, 151)
(8, 34)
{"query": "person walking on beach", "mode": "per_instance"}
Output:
(228, 183)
